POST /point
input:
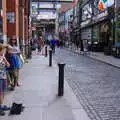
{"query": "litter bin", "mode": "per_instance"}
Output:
(107, 50)
(116, 50)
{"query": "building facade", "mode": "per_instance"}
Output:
(15, 21)
(64, 16)
(68, 24)
(95, 28)
(117, 15)
(76, 26)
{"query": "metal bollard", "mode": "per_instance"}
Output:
(50, 57)
(61, 79)
(46, 51)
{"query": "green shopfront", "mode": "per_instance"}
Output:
(100, 31)
(117, 27)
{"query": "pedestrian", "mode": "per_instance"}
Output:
(11, 71)
(39, 45)
(61, 43)
(47, 42)
(52, 45)
(58, 43)
(16, 54)
(3, 64)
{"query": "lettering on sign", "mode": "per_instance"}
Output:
(100, 16)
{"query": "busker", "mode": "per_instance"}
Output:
(3, 64)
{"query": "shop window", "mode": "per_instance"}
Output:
(96, 33)
(118, 28)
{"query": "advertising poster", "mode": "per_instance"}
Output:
(11, 17)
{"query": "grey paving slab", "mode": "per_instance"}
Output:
(39, 94)
(28, 114)
(80, 114)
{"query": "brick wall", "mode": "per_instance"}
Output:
(17, 19)
(18, 28)
(4, 17)
(21, 7)
(11, 27)
(26, 19)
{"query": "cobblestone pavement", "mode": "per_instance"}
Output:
(96, 84)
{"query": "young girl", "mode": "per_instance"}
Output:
(3, 64)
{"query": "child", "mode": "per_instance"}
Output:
(3, 64)
(11, 71)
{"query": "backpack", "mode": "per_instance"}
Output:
(16, 109)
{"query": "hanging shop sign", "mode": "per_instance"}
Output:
(11, 17)
(100, 16)
(34, 9)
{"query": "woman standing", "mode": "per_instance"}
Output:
(16, 53)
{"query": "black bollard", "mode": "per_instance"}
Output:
(61, 79)
(50, 57)
(46, 51)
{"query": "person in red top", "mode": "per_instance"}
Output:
(39, 45)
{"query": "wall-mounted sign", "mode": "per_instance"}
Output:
(46, 15)
(46, 5)
(100, 16)
(34, 9)
(11, 17)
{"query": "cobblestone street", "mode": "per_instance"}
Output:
(96, 84)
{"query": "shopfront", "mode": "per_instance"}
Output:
(101, 31)
(100, 35)
(76, 40)
(86, 32)
(118, 28)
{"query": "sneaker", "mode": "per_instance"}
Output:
(19, 84)
(11, 88)
(2, 113)
(5, 108)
